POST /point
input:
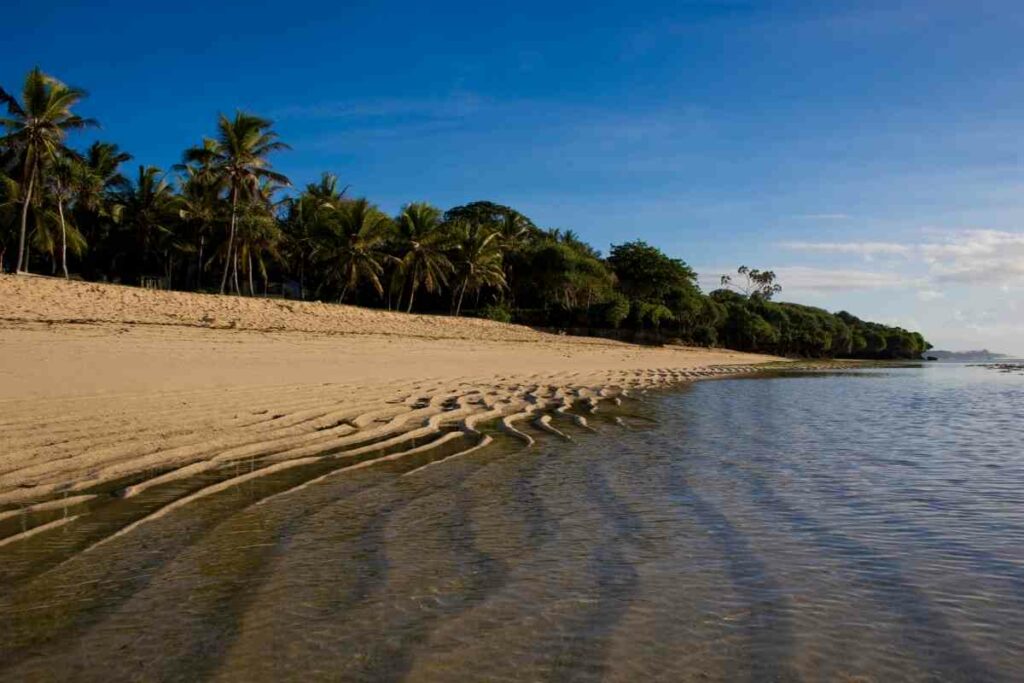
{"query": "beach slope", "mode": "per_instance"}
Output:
(101, 384)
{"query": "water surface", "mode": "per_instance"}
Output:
(861, 526)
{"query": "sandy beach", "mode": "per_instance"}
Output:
(103, 383)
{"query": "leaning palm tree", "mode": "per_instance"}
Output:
(477, 260)
(350, 247)
(36, 128)
(423, 241)
(238, 157)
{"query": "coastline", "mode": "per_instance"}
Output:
(103, 384)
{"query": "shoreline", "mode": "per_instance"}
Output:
(102, 394)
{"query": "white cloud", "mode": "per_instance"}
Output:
(971, 257)
(978, 257)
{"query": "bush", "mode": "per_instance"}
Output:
(497, 312)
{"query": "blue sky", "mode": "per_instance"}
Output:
(869, 152)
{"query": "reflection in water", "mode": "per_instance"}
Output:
(863, 526)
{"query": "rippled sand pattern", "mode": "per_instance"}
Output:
(696, 534)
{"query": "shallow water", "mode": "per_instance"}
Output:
(867, 525)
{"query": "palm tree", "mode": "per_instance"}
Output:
(200, 208)
(37, 127)
(326, 193)
(149, 207)
(305, 218)
(516, 232)
(259, 233)
(101, 178)
(238, 157)
(350, 246)
(66, 175)
(477, 260)
(96, 210)
(258, 238)
(422, 239)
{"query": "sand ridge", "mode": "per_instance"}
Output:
(104, 384)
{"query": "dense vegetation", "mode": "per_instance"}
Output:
(223, 220)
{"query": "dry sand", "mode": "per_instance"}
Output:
(101, 382)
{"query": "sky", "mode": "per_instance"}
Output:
(870, 153)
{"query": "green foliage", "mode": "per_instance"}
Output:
(645, 273)
(615, 311)
(237, 160)
(421, 241)
(222, 209)
(497, 312)
(477, 257)
(36, 129)
(350, 247)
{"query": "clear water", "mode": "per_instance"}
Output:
(867, 526)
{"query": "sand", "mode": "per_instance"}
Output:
(104, 383)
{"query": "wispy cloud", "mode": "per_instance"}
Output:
(810, 280)
(971, 257)
(859, 248)
(978, 257)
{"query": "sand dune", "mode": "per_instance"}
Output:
(103, 386)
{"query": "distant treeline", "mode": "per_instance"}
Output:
(223, 220)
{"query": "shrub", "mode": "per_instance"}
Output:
(497, 312)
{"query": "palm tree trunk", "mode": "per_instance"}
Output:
(412, 294)
(234, 274)
(231, 239)
(199, 273)
(63, 239)
(22, 253)
(462, 293)
(252, 287)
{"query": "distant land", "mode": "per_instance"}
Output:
(966, 356)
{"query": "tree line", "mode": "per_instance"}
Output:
(223, 220)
